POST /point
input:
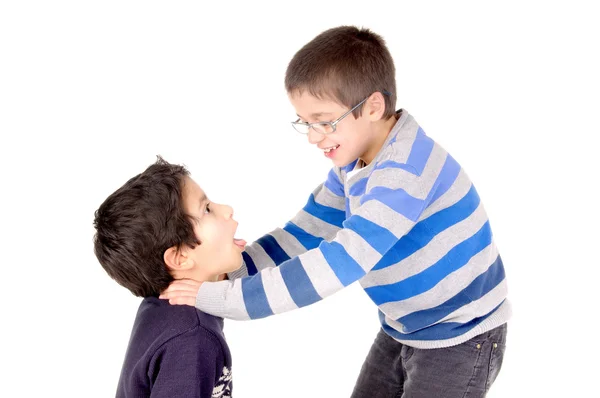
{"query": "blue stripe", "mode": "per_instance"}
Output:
(414, 285)
(334, 184)
(420, 152)
(424, 231)
(446, 178)
(398, 200)
(328, 214)
(440, 331)
(358, 188)
(277, 254)
(255, 297)
(298, 283)
(480, 286)
(249, 263)
(390, 164)
(378, 237)
(307, 240)
(343, 265)
(350, 167)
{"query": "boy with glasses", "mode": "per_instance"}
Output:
(396, 213)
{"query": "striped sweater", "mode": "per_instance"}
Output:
(410, 227)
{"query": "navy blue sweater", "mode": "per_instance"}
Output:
(175, 351)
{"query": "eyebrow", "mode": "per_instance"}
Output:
(315, 115)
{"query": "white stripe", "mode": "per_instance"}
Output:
(446, 288)
(423, 258)
(278, 296)
(320, 273)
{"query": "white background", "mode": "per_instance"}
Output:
(91, 92)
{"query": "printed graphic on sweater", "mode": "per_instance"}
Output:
(223, 387)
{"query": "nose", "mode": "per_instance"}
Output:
(314, 137)
(226, 211)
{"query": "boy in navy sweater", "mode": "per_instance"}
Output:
(157, 228)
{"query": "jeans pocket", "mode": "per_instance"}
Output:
(496, 358)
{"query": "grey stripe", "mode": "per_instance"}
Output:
(479, 307)
(259, 256)
(315, 226)
(238, 273)
(223, 299)
(358, 248)
(288, 242)
(431, 253)
(325, 197)
(399, 151)
(433, 167)
(456, 192)
(354, 203)
(385, 217)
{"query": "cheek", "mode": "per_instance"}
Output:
(214, 234)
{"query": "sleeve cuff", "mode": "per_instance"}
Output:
(211, 298)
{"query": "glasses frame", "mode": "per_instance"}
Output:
(333, 124)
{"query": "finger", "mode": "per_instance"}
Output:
(189, 282)
(183, 301)
(181, 286)
(168, 294)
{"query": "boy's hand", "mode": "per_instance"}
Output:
(182, 292)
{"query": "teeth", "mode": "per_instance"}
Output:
(327, 150)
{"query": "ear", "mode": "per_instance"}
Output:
(178, 260)
(376, 107)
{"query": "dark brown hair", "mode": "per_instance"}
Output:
(346, 64)
(136, 225)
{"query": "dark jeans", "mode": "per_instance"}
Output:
(467, 370)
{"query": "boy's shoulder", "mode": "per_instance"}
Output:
(158, 322)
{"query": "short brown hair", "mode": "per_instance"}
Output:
(346, 64)
(136, 225)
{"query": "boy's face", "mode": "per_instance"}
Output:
(352, 139)
(215, 228)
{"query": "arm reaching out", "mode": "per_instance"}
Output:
(320, 219)
(385, 214)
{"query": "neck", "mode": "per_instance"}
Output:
(381, 129)
(195, 275)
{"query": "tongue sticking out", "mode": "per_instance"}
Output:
(240, 242)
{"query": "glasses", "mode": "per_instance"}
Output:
(323, 127)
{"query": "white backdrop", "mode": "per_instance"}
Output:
(91, 92)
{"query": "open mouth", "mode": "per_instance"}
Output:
(330, 152)
(241, 243)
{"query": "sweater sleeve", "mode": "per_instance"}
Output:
(188, 365)
(388, 209)
(320, 219)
